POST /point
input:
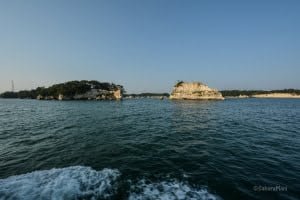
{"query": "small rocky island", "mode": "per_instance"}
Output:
(72, 90)
(194, 91)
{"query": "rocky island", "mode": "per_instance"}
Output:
(72, 90)
(194, 91)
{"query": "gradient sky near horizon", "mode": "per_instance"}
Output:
(147, 45)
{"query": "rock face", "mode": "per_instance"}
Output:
(95, 94)
(39, 97)
(100, 94)
(63, 97)
(194, 91)
(118, 94)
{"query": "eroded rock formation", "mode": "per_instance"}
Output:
(194, 91)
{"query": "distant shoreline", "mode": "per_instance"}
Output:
(94, 90)
(165, 96)
(241, 94)
(277, 95)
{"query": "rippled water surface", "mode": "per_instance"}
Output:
(149, 149)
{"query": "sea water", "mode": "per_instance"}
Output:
(150, 149)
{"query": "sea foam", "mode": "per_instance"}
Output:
(80, 182)
(76, 182)
(168, 190)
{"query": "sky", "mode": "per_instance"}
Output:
(148, 45)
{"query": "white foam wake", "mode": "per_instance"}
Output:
(75, 182)
(168, 190)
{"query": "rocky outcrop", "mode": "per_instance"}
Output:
(39, 97)
(63, 97)
(93, 94)
(194, 91)
(118, 94)
(99, 94)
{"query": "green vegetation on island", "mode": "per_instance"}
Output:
(67, 89)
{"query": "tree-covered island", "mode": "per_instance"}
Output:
(72, 90)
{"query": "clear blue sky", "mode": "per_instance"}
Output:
(146, 45)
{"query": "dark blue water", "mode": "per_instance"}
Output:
(150, 149)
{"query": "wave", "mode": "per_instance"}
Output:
(168, 190)
(76, 182)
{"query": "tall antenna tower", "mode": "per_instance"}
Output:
(12, 86)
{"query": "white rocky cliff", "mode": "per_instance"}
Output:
(194, 91)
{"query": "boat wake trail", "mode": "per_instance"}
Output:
(66, 183)
(78, 182)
